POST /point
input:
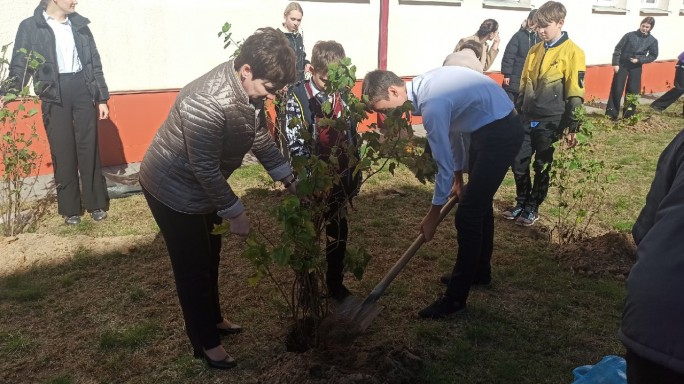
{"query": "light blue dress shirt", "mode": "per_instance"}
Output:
(450, 100)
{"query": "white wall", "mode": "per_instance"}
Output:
(160, 44)
(421, 36)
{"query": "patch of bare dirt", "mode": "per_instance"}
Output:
(375, 365)
(27, 250)
(649, 124)
(608, 255)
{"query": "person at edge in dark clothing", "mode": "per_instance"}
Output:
(515, 54)
(631, 52)
(652, 319)
(676, 91)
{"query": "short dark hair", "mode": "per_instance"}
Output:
(376, 84)
(488, 26)
(325, 53)
(472, 45)
(270, 56)
(648, 20)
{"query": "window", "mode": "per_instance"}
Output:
(610, 6)
(655, 7)
(507, 4)
(431, 2)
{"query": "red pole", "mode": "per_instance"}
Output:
(382, 49)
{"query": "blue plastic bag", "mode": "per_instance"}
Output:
(610, 370)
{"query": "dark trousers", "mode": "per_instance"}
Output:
(71, 128)
(630, 74)
(643, 371)
(492, 149)
(195, 256)
(675, 92)
(336, 231)
(538, 141)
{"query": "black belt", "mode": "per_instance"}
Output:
(71, 75)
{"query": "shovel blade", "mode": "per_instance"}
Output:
(360, 312)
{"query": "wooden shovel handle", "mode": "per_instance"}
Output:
(408, 254)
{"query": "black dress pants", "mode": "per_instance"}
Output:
(71, 128)
(630, 74)
(538, 141)
(195, 256)
(492, 149)
(675, 92)
(336, 231)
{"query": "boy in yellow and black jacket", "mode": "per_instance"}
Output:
(551, 88)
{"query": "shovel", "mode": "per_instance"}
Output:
(361, 313)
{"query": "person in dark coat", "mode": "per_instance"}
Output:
(514, 56)
(652, 322)
(631, 52)
(291, 28)
(677, 89)
(73, 91)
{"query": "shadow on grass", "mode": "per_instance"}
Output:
(116, 318)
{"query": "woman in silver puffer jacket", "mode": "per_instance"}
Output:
(213, 123)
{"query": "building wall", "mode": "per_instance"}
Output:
(162, 44)
(151, 48)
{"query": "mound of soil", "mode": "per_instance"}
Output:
(649, 124)
(608, 255)
(380, 364)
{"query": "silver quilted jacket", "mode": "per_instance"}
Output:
(210, 128)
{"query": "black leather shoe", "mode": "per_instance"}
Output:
(234, 329)
(98, 214)
(443, 307)
(226, 363)
(72, 220)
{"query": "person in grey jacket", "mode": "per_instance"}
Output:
(214, 122)
(631, 52)
(652, 322)
(515, 54)
(73, 91)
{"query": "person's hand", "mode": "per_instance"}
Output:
(457, 187)
(571, 140)
(429, 223)
(496, 40)
(104, 111)
(240, 225)
(507, 81)
(634, 60)
(616, 68)
(290, 183)
(292, 188)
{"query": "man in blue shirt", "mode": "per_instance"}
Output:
(455, 100)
